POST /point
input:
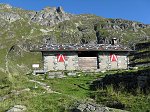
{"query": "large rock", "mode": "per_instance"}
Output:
(93, 107)
(89, 107)
(17, 108)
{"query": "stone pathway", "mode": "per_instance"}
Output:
(44, 86)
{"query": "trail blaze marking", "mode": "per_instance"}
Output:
(113, 57)
(60, 58)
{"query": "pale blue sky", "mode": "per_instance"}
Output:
(138, 10)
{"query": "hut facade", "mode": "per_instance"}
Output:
(84, 57)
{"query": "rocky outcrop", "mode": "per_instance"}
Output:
(49, 16)
(120, 24)
(5, 6)
(92, 107)
(10, 17)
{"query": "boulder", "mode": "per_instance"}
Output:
(17, 108)
(90, 107)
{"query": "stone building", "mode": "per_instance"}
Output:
(84, 57)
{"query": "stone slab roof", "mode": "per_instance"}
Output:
(80, 47)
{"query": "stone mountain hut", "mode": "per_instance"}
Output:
(84, 57)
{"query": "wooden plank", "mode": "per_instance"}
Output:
(88, 68)
(87, 62)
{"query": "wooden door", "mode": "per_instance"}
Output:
(87, 63)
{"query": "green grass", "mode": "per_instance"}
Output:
(5, 84)
(133, 103)
(38, 100)
(49, 103)
(71, 89)
(77, 86)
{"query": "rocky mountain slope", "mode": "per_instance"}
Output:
(21, 30)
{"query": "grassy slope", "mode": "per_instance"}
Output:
(37, 100)
(72, 89)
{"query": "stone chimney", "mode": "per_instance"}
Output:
(114, 41)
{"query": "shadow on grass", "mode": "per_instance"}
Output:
(129, 81)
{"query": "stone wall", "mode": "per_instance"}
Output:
(51, 61)
(105, 62)
(71, 62)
